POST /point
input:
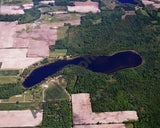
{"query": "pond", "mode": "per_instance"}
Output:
(101, 64)
(128, 1)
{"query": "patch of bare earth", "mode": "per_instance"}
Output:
(84, 7)
(11, 10)
(155, 3)
(22, 118)
(82, 112)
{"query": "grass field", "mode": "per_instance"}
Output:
(129, 125)
(55, 92)
(62, 32)
(9, 72)
(18, 2)
(58, 52)
(8, 79)
(19, 106)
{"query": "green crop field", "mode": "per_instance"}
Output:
(62, 32)
(55, 92)
(9, 72)
(17, 2)
(57, 52)
(19, 106)
(8, 79)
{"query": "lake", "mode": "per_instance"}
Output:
(127, 1)
(101, 64)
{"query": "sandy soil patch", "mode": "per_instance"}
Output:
(101, 126)
(82, 112)
(21, 118)
(84, 7)
(11, 10)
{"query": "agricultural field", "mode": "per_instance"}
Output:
(58, 53)
(17, 2)
(62, 32)
(20, 118)
(55, 91)
(84, 7)
(19, 106)
(59, 17)
(82, 112)
(9, 76)
(6, 79)
(9, 72)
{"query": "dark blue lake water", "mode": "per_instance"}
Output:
(102, 64)
(127, 1)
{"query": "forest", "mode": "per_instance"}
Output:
(57, 114)
(30, 16)
(129, 89)
(8, 90)
(9, 18)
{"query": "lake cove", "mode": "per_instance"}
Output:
(101, 64)
(127, 1)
